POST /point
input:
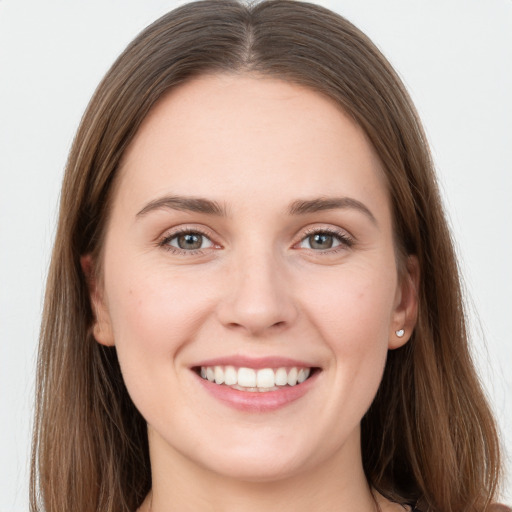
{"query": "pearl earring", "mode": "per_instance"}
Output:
(400, 333)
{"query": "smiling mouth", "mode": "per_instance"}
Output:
(255, 380)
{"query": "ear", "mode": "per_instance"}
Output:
(406, 305)
(102, 325)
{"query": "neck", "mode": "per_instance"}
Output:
(337, 484)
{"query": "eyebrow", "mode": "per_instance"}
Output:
(303, 207)
(187, 204)
(298, 207)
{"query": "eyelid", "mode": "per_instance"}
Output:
(169, 234)
(344, 237)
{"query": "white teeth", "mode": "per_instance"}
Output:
(230, 376)
(248, 379)
(303, 375)
(265, 378)
(292, 377)
(219, 375)
(281, 378)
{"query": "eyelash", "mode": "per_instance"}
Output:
(165, 242)
(345, 241)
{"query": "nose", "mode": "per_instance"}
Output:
(259, 296)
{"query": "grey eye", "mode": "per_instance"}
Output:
(190, 241)
(320, 241)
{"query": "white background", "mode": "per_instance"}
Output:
(455, 57)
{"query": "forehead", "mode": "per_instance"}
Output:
(212, 132)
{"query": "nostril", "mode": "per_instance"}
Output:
(256, 328)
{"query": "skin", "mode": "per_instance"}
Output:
(257, 287)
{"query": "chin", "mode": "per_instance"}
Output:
(257, 469)
(250, 458)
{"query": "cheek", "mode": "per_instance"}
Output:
(153, 308)
(153, 314)
(153, 319)
(353, 308)
(353, 313)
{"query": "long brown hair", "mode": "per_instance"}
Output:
(429, 436)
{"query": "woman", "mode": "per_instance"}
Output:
(253, 299)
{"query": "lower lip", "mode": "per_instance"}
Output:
(258, 401)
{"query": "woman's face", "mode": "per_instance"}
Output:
(250, 241)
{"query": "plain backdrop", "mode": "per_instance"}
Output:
(454, 56)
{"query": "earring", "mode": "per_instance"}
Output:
(400, 333)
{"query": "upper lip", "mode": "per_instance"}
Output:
(255, 362)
